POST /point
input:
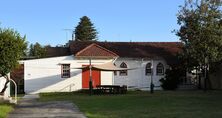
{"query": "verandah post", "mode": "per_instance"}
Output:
(90, 78)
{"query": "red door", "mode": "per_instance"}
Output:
(95, 78)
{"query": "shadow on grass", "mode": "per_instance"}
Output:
(139, 104)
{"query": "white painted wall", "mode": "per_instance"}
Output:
(136, 78)
(107, 78)
(44, 75)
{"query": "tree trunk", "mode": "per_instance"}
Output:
(209, 84)
(5, 85)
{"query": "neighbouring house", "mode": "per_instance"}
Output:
(62, 69)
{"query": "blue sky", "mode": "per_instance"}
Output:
(44, 21)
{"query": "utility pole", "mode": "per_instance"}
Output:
(151, 83)
(90, 77)
(67, 32)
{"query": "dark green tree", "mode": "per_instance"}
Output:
(201, 32)
(12, 48)
(36, 50)
(85, 31)
(172, 77)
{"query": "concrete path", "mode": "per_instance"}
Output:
(30, 107)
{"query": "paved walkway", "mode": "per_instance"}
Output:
(29, 107)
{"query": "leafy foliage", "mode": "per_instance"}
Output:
(172, 78)
(85, 30)
(201, 31)
(12, 48)
(37, 50)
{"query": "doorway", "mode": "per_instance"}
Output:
(96, 78)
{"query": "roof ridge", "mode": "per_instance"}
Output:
(94, 44)
(85, 48)
(106, 49)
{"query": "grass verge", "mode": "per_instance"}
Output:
(5, 108)
(161, 104)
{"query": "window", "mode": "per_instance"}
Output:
(148, 70)
(123, 72)
(65, 71)
(160, 69)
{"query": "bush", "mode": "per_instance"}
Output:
(172, 78)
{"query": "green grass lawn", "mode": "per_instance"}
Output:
(161, 104)
(5, 108)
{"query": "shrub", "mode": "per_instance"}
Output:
(172, 78)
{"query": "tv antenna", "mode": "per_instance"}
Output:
(69, 31)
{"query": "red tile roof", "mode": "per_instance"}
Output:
(166, 50)
(94, 50)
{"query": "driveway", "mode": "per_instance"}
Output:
(30, 107)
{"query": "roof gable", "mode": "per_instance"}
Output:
(133, 49)
(94, 50)
(166, 50)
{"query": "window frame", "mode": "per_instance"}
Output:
(159, 67)
(148, 69)
(123, 72)
(65, 71)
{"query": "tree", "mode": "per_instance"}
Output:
(85, 31)
(201, 32)
(36, 50)
(12, 48)
(172, 78)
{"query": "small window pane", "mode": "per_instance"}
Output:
(65, 71)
